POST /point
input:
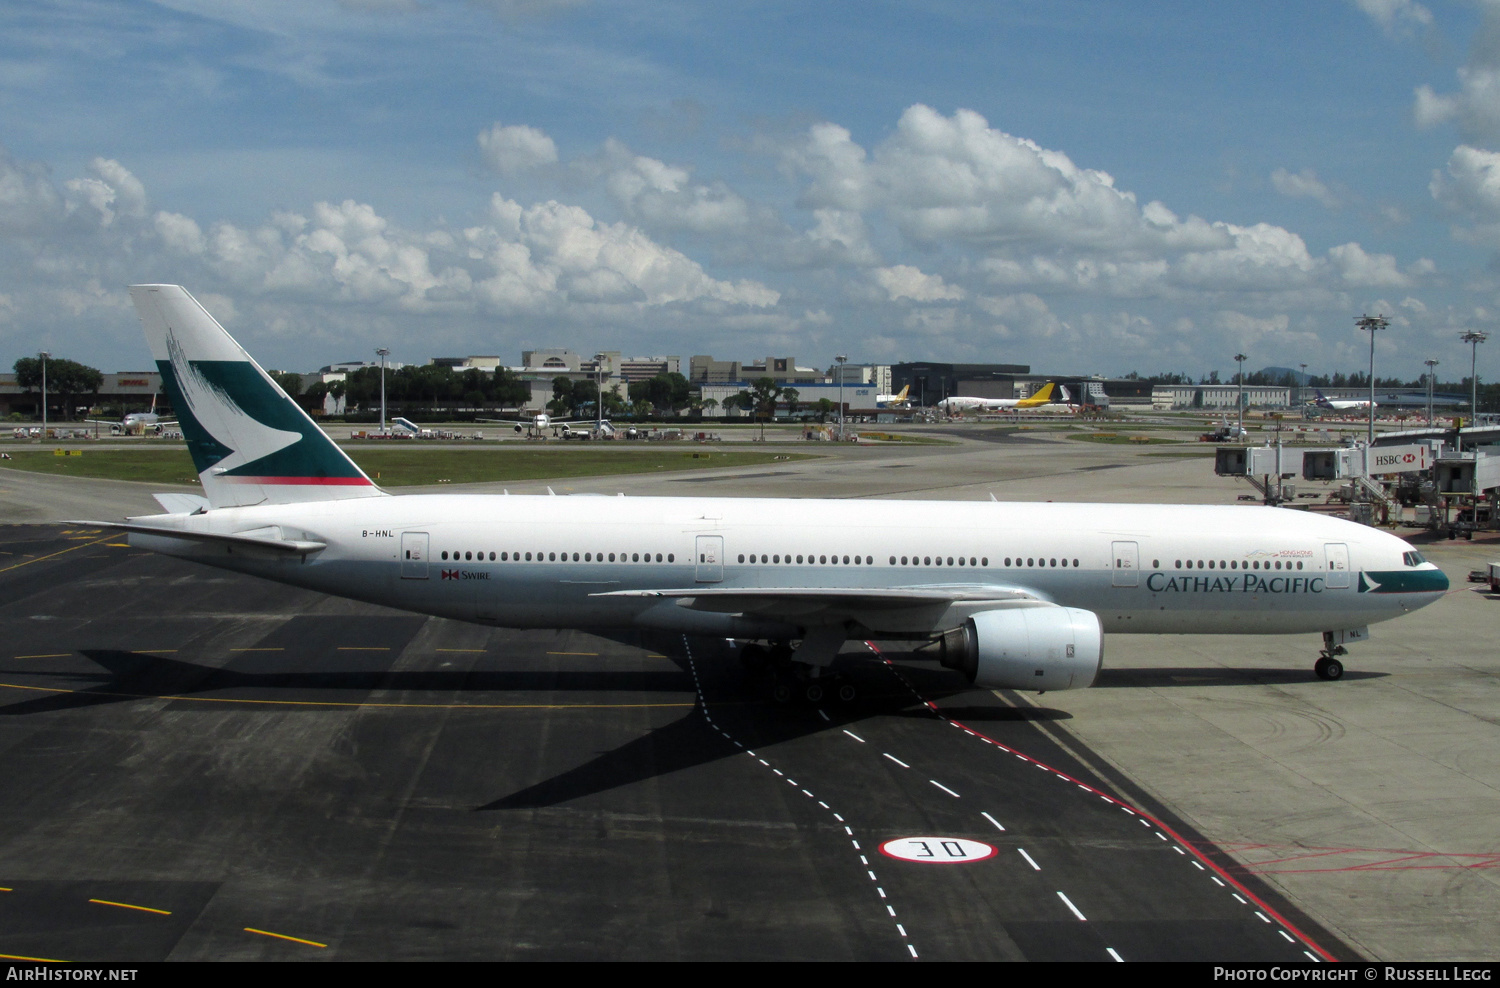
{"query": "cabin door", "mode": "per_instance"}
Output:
(1127, 564)
(1338, 565)
(413, 555)
(710, 563)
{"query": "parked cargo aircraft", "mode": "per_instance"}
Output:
(1015, 595)
(1341, 404)
(897, 400)
(1049, 394)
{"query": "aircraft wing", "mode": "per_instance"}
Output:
(260, 538)
(839, 598)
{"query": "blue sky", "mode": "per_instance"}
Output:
(1085, 187)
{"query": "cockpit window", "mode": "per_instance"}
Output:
(1413, 558)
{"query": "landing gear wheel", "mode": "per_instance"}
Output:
(847, 693)
(1328, 668)
(813, 693)
(781, 692)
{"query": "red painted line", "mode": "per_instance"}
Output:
(1145, 815)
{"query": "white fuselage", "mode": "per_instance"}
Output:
(528, 561)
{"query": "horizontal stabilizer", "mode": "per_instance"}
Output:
(258, 540)
(181, 504)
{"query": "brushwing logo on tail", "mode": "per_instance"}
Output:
(243, 428)
(229, 438)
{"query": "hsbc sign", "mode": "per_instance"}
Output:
(1400, 459)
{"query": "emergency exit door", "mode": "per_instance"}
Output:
(710, 563)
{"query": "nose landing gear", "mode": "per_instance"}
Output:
(1328, 666)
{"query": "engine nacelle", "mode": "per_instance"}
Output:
(1027, 648)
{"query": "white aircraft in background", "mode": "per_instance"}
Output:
(1341, 404)
(137, 423)
(1050, 394)
(535, 425)
(1014, 595)
(898, 400)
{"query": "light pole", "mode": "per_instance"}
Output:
(598, 394)
(1240, 359)
(1372, 323)
(1474, 337)
(383, 353)
(1302, 386)
(44, 355)
(1431, 386)
(840, 361)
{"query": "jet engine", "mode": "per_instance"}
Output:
(1027, 648)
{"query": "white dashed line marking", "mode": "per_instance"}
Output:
(895, 759)
(1238, 899)
(1287, 935)
(1198, 866)
(993, 820)
(1312, 956)
(1034, 865)
(1068, 902)
(1216, 880)
(863, 860)
(945, 789)
(1263, 917)
(1116, 956)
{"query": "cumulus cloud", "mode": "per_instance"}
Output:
(958, 179)
(1397, 17)
(513, 149)
(664, 196)
(1304, 185)
(905, 281)
(1471, 189)
(28, 200)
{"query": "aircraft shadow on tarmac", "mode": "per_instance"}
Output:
(689, 742)
(1214, 676)
(135, 675)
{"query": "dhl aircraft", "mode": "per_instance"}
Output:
(1050, 393)
(1013, 595)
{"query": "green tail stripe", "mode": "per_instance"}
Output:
(238, 381)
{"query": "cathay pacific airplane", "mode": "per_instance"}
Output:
(1014, 595)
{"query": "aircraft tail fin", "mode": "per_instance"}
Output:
(250, 443)
(1041, 396)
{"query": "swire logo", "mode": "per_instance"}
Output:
(450, 574)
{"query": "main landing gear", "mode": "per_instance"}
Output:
(791, 681)
(1328, 666)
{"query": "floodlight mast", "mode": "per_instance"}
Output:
(1373, 324)
(840, 360)
(44, 355)
(383, 352)
(1431, 385)
(1474, 337)
(1240, 359)
(598, 395)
